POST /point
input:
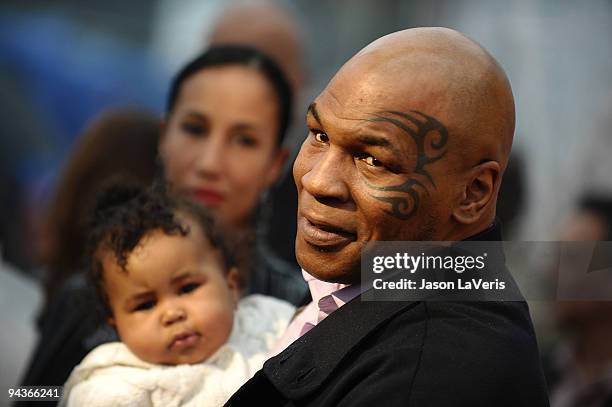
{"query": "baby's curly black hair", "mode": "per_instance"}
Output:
(124, 214)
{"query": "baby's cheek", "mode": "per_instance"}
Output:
(144, 342)
(227, 324)
(217, 324)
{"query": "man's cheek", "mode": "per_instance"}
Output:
(392, 229)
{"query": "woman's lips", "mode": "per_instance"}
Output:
(207, 197)
(323, 235)
(184, 340)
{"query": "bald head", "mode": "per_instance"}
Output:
(451, 77)
(267, 27)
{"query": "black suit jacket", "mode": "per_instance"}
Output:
(436, 354)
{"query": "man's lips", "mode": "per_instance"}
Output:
(208, 197)
(323, 234)
(184, 340)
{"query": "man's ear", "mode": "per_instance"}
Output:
(233, 282)
(111, 322)
(277, 166)
(480, 192)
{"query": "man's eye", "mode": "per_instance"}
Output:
(187, 288)
(320, 137)
(143, 306)
(371, 161)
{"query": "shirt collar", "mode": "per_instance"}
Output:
(318, 288)
(329, 296)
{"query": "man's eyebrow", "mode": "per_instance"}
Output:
(312, 109)
(375, 141)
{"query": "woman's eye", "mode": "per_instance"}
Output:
(187, 288)
(193, 128)
(371, 161)
(246, 141)
(321, 137)
(144, 306)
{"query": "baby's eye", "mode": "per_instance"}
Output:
(144, 306)
(320, 136)
(371, 161)
(187, 288)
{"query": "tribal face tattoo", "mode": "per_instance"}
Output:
(423, 129)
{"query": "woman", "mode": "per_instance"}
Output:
(221, 145)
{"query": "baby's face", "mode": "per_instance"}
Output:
(174, 304)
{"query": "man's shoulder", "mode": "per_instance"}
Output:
(476, 336)
(436, 353)
(477, 320)
(365, 350)
(464, 326)
(477, 351)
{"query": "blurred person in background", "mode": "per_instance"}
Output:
(222, 146)
(19, 301)
(278, 33)
(511, 200)
(118, 144)
(23, 140)
(19, 292)
(579, 369)
(271, 29)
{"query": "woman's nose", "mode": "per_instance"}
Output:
(208, 161)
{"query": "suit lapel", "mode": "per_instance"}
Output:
(302, 368)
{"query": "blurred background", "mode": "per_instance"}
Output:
(63, 62)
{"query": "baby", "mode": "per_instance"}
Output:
(170, 287)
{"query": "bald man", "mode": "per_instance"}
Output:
(408, 141)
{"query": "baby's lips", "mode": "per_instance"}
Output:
(184, 340)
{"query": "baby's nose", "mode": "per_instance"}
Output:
(172, 315)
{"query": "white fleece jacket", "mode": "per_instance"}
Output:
(111, 375)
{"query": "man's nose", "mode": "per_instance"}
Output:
(326, 179)
(172, 314)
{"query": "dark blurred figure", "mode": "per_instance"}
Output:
(12, 220)
(119, 144)
(511, 200)
(579, 370)
(272, 29)
(22, 142)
